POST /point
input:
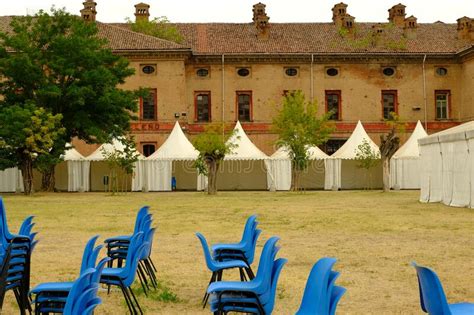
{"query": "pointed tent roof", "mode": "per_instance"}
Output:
(411, 149)
(315, 153)
(176, 147)
(349, 148)
(245, 150)
(98, 154)
(72, 154)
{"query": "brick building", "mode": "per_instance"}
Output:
(240, 71)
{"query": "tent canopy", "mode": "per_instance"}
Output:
(245, 149)
(449, 134)
(176, 147)
(72, 154)
(350, 147)
(314, 153)
(411, 149)
(98, 154)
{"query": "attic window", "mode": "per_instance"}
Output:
(243, 72)
(388, 71)
(202, 72)
(291, 72)
(332, 72)
(441, 71)
(148, 69)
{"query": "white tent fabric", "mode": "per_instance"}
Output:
(470, 137)
(245, 149)
(158, 166)
(334, 165)
(279, 167)
(405, 163)
(99, 155)
(11, 180)
(78, 169)
(446, 159)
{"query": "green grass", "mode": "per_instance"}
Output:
(374, 235)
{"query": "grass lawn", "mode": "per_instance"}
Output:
(373, 235)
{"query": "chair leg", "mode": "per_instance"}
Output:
(206, 295)
(154, 268)
(141, 282)
(136, 301)
(151, 273)
(250, 273)
(142, 271)
(131, 308)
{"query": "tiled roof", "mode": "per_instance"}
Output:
(119, 38)
(318, 38)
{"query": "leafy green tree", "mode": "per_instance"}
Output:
(58, 62)
(389, 144)
(26, 133)
(212, 146)
(367, 158)
(158, 27)
(299, 127)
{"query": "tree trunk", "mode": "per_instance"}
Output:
(213, 167)
(295, 179)
(27, 173)
(386, 174)
(48, 179)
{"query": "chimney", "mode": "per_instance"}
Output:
(89, 12)
(409, 29)
(348, 24)
(377, 34)
(396, 15)
(261, 20)
(339, 11)
(142, 12)
(465, 28)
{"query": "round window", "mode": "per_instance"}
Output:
(291, 72)
(148, 69)
(388, 71)
(332, 72)
(441, 71)
(243, 72)
(203, 72)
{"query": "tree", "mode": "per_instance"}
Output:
(58, 62)
(158, 27)
(299, 127)
(367, 158)
(212, 146)
(26, 133)
(389, 144)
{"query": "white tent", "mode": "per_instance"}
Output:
(11, 180)
(73, 173)
(174, 158)
(279, 170)
(342, 171)
(244, 168)
(100, 171)
(405, 163)
(447, 166)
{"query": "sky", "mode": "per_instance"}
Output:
(240, 11)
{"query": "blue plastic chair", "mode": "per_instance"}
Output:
(256, 287)
(432, 297)
(318, 294)
(124, 277)
(245, 242)
(126, 238)
(144, 266)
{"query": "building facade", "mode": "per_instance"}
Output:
(360, 71)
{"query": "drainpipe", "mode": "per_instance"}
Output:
(312, 79)
(223, 96)
(424, 94)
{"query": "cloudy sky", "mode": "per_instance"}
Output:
(241, 10)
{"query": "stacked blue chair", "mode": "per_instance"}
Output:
(256, 296)
(217, 267)
(321, 295)
(243, 250)
(123, 277)
(57, 292)
(15, 257)
(432, 297)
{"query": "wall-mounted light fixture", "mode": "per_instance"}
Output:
(416, 108)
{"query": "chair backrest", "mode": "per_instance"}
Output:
(132, 264)
(26, 226)
(88, 250)
(250, 226)
(149, 239)
(250, 254)
(264, 271)
(432, 297)
(92, 305)
(316, 297)
(77, 289)
(207, 254)
(135, 242)
(276, 270)
(98, 269)
(140, 216)
(6, 235)
(84, 299)
(336, 294)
